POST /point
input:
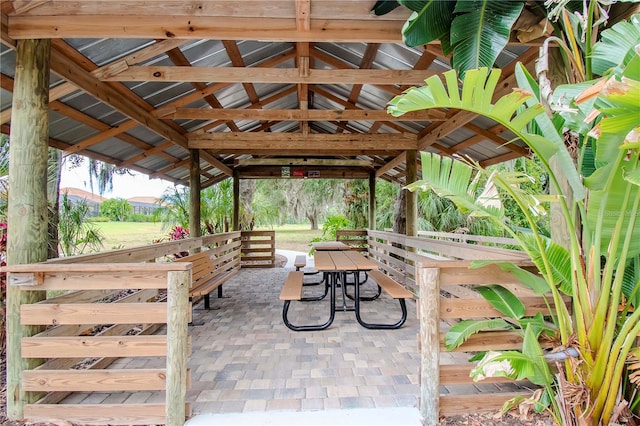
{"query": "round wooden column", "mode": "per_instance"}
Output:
(27, 210)
(411, 203)
(195, 227)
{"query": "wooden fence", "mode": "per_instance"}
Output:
(105, 311)
(258, 249)
(438, 272)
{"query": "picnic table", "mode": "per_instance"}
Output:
(336, 264)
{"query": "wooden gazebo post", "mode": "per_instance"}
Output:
(27, 210)
(372, 200)
(236, 201)
(195, 227)
(411, 200)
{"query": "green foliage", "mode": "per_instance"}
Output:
(97, 219)
(598, 267)
(356, 199)
(77, 235)
(116, 209)
(174, 208)
(330, 227)
(139, 217)
(474, 32)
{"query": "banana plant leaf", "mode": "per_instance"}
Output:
(528, 279)
(461, 331)
(502, 300)
(382, 7)
(430, 20)
(616, 46)
(480, 31)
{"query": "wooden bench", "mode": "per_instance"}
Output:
(393, 289)
(300, 261)
(209, 273)
(292, 290)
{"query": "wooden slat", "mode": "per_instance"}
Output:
(323, 262)
(292, 289)
(94, 380)
(104, 280)
(97, 313)
(341, 261)
(361, 262)
(458, 374)
(99, 414)
(107, 346)
(494, 340)
(480, 308)
(451, 405)
(394, 289)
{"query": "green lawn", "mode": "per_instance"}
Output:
(131, 234)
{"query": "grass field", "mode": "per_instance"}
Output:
(132, 234)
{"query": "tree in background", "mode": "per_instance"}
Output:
(116, 209)
(356, 200)
(216, 206)
(174, 208)
(76, 234)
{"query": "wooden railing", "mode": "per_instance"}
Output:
(78, 349)
(258, 249)
(439, 273)
(106, 311)
(356, 239)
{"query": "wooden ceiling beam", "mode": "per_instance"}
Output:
(270, 141)
(70, 70)
(192, 27)
(301, 115)
(236, 60)
(320, 162)
(316, 152)
(212, 88)
(269, 75)
(178, 58)
(392, 164)
(275, 172)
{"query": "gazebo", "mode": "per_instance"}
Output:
(198, 92)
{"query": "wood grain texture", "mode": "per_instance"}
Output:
(111, 380)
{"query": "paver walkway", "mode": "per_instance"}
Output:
(244, 359)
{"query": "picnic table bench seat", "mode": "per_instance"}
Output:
(209, 273)
(292, 291)
(396, 291)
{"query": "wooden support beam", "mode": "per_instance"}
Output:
(411, 207)
(302, 162)
(203, 27)
(272, 75)
(68, 69)
(392, 164)
(195, 227)
(270, 141)
(302, 114)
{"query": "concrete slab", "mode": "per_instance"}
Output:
(405, 416)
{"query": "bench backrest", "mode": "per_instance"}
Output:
(206, 266)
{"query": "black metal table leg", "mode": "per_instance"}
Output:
(332, 314)
(375, 326)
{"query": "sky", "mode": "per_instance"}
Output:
(124, 186)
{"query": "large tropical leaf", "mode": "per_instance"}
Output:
(502, 300)
(430, 20)
(616, 46)
(604, 209)
(480, 31)
(528, 279)
(552, 134)
(558, 259)
(453, 179)
(382, 7)
(461, 331)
